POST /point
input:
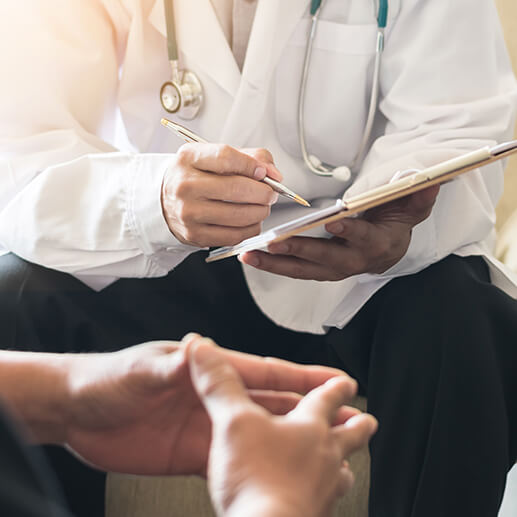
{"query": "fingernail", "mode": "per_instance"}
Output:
(336, 228)
(260, 173)
(276, 173)
(280, 247)
(202, 351)
(274, 198)
(253, 260)
(349, 385)
(190, 337)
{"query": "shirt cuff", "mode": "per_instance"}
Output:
(145, 217)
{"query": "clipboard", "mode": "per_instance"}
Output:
(404, 186)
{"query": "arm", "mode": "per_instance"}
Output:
(68, 199)
(447, 88)
(35, 388)
(286, 466)
(136, 411)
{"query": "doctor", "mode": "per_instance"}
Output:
(406, 298)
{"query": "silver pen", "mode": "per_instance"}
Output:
(189, 136)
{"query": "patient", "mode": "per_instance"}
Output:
(169, 408)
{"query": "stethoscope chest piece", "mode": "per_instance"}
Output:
(183, 96)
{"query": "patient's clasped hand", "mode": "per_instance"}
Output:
(168, 408)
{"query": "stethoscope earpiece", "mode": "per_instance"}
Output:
(342, 173)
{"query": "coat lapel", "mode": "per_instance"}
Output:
(274, 24)
(201, 40)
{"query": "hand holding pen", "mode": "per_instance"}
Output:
(190, 136)
(213, 195)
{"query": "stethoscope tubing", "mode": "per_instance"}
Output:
(190, 86)
(312, 163)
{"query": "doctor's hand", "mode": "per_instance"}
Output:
(285, 466)
(372, 243)
(136, 411)
(212, 194)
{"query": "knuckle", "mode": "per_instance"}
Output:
(264, 155)
(191, 234)
(183, 189)
(241, 422)
(383, 246)
(224, 155)
(185, 155)
(186, 213)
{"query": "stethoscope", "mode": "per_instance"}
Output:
(183, 94)
(313, 163)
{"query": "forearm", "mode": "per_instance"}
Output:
(34, 387)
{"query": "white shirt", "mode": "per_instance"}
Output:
(71, 201)
(236, 19)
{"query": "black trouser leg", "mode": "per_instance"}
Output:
(436, 353)
(44, 310)
(33, 317)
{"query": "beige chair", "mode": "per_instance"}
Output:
(185, 497)
(129, 496)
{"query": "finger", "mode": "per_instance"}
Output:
(345, 413)
(323, 402)
(264, 156)
(228, 214)
(355, 433)
(285, 265)
(208, 235)
(268, 373)
(338, 258)
(357, 233)
(420, 204)
(237, 189)
(277, 403)
(216, 382)
(221, 159)
(346, 481)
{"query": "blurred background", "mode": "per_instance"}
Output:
(508, 14)
(507, 208)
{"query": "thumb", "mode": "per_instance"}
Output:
(217, 383)
(421, 203)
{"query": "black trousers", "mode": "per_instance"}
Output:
(435, 353)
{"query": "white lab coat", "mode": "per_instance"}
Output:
(69, 200)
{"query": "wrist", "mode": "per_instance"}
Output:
(35, 389)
